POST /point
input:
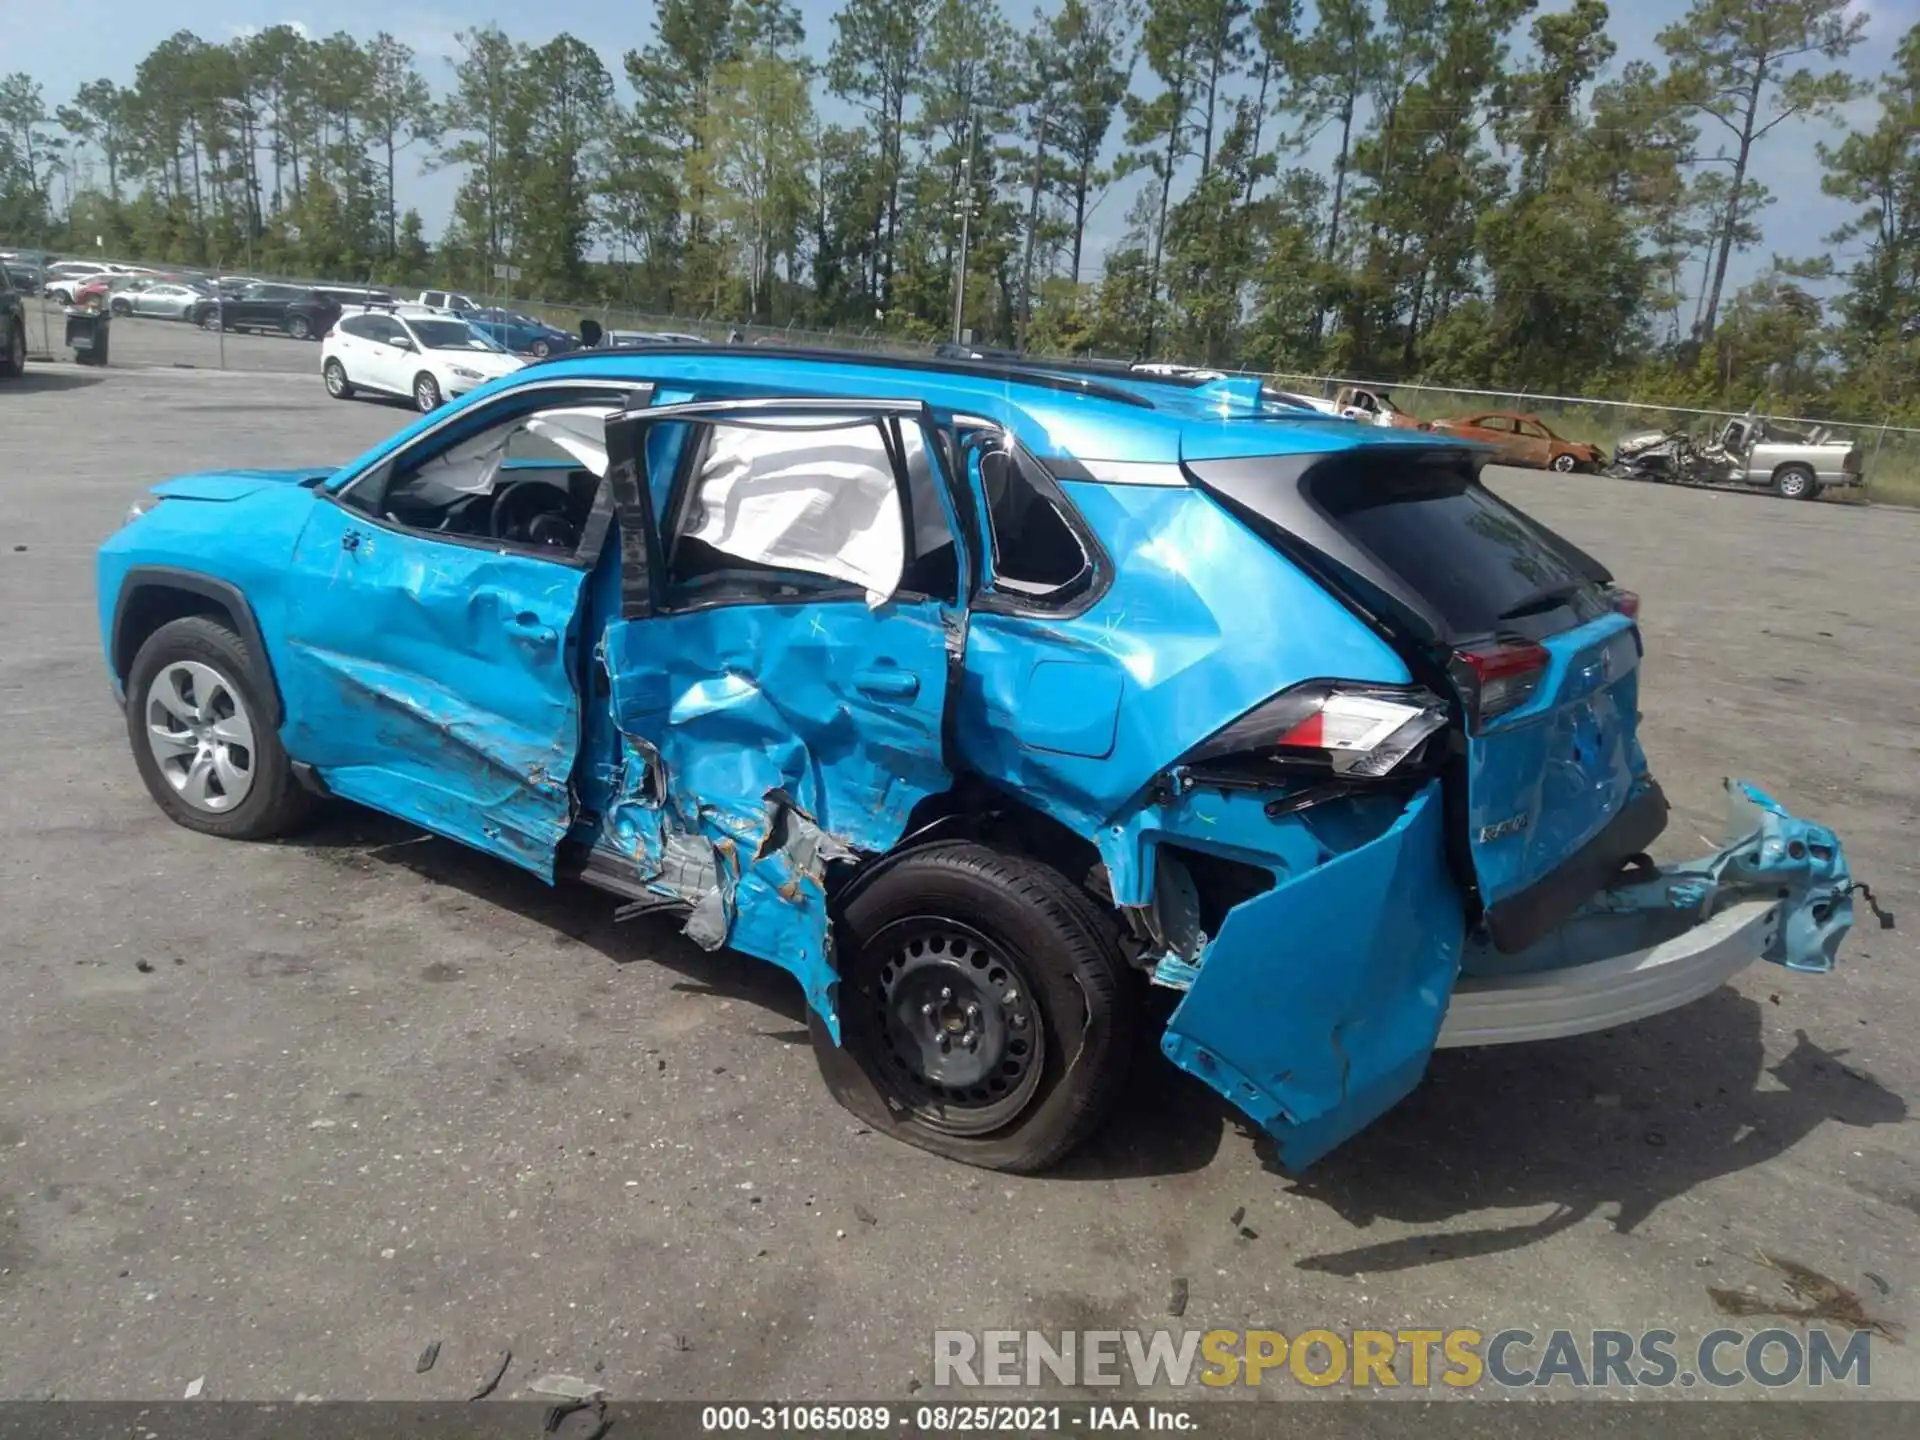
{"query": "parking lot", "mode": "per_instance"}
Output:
(281, 1115)
(143, 341)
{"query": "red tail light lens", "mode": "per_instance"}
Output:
(1496, 679)
(1355, 730)
(1625, 601)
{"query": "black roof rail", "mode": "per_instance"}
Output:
(1040, 376)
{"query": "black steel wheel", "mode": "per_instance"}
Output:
(986, 1012)
(954, 1014)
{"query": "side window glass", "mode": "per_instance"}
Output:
(790, 508)
(524, 483)
(1036, 554)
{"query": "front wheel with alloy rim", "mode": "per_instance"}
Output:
(201, 734)
(426, 393)
(335, 374)
(986, 1012)
(1794, 482)
(1565, 464)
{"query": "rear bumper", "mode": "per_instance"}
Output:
(1778, 891)
(1547, 1005)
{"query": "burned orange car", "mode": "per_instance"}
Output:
(1524, 440)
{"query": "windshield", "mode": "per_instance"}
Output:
(450, 335)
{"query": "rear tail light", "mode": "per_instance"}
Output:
(1495, 679)
(1625, 601)
(1355, 730)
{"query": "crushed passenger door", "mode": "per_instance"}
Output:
(791, 576)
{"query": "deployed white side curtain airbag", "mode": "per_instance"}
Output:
(819, 500)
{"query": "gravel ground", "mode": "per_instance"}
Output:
(280, 1115)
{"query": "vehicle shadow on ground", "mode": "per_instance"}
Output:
(577, 911)
(1628, 1119)
(1624, 1120)
(37, 380)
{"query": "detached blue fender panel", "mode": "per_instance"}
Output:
(146, 580)
(1316, 1007)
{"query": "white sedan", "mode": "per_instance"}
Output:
(425, 358)
(164, 298)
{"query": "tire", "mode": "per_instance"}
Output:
(541, 349)
(299, 327)
(426, 392)
(335, 374)
(221, 681)
(13, 362)
(210, 320)
(119, 307)
(1795, 482)
(1034, 953)
(1565, 463)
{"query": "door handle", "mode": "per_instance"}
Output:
(527, 626)
(888, 684)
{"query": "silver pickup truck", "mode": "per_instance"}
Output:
(1795, 465)
(1747, 450)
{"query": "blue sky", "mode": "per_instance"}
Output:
(84, 38)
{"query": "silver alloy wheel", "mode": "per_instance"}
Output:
(1792, 484)
(336, 377)
(201, 735)
(426, 394)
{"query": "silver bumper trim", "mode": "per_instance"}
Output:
(1548, 1004)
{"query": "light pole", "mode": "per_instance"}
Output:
(966, 219)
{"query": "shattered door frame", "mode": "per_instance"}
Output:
(805, 729)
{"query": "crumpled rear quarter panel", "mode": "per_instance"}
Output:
(1202, 622)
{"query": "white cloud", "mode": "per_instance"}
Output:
(247, 32)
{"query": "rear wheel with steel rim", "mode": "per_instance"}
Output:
(986, 1012)
(426, 392)
(1795, 482)
(954, 1015)
(198, 721)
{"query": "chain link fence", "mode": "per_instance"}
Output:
(1892, 451)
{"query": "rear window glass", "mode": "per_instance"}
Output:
(1479, 562)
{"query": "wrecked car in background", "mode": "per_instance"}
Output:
(978, 697)
(1523, 440)
(1371, 405)
(1747, 450)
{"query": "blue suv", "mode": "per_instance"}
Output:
(979, 697)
